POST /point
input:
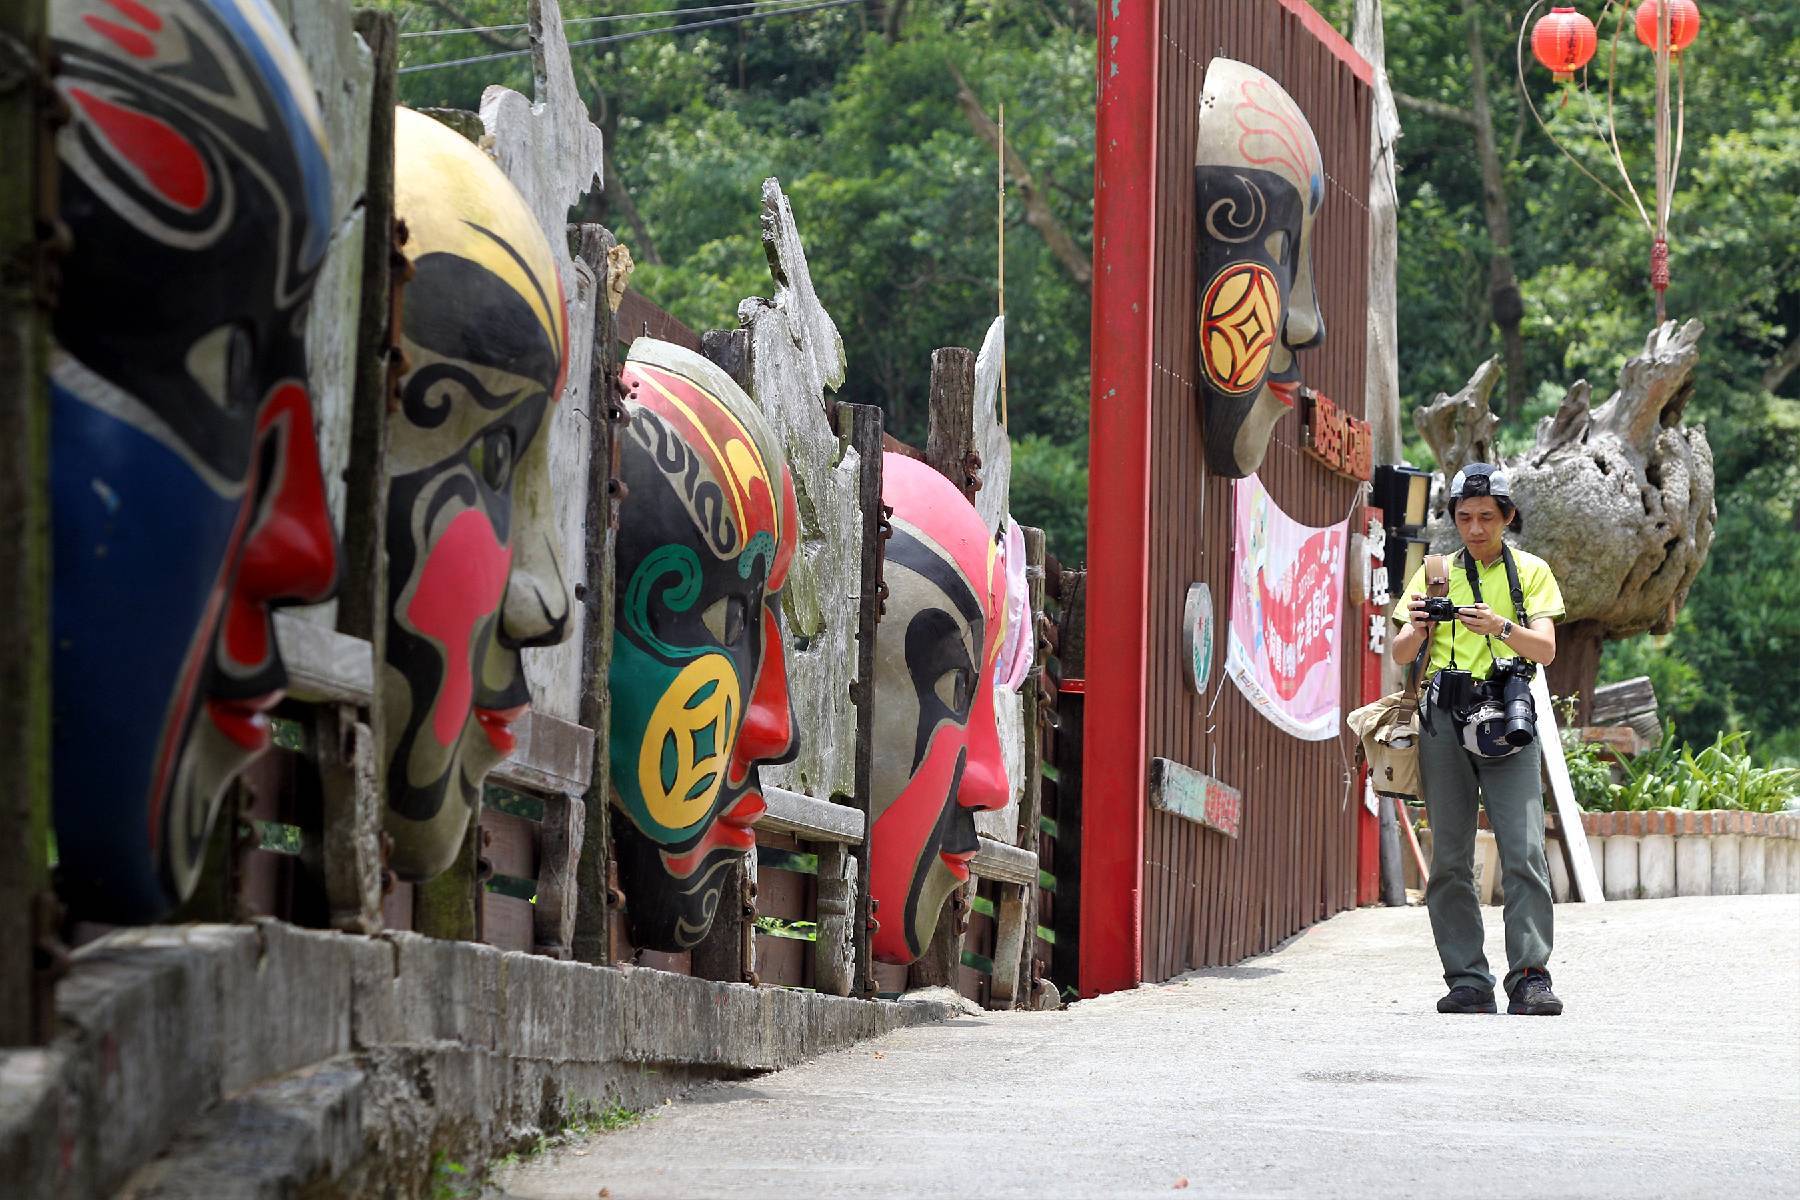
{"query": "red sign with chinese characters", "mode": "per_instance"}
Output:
(1342, 442)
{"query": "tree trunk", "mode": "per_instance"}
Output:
(1503, 286)
(1577, 664)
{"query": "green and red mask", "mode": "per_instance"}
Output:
(707, 530)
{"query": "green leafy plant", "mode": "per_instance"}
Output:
(1675, 775)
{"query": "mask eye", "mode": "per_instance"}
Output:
(726, 619)
(492, 458)
(954, 688)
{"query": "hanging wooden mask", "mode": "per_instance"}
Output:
(187, 499)
(937, 748)
(699, 682)
(1258, 185)
(473, 575)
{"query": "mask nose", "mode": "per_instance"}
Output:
(984, 782)
(535, 611)
(768, 732)
(1305, 325)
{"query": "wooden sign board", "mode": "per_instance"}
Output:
(1188, 794)
(1344, 443)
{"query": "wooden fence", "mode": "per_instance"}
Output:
(299, 837)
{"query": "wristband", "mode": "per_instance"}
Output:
(1506, 628)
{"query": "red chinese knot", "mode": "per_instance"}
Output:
(1563, 40)
(1684, 23)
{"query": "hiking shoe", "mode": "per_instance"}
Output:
(1532, 997)
(1466, 999)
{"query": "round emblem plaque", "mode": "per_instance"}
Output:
(1197, 636)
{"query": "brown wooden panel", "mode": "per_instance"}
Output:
(505, 921)
(1209, 900)
(509, 843)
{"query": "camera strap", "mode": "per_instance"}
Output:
(1437, 583)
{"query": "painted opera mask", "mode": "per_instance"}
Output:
(186, 493)
(1258, 184)
(473, 576)
(699, 681)
(937, 748)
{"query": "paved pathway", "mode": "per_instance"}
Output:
(1317, 1070)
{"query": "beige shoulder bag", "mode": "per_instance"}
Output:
(1388, 729)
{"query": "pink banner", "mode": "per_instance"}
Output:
(1284, 645)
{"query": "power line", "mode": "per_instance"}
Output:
(608, 19)
(613, 39)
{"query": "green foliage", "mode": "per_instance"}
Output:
(893, 190)
(1722, 775)
(1581, 261)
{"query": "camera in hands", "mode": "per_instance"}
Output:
(1440, 608)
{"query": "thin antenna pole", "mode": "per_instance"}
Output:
(1000, 172)
(1659, 251)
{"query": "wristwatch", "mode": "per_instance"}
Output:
(1506, 628)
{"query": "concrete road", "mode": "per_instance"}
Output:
(1321, 1069)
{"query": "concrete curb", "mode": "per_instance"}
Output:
(275, 1058)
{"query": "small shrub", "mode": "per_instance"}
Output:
(1675, 775)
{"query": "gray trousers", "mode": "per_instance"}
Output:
(1514, 797)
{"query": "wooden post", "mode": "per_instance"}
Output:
(861, 425)
(355, 871)
(1065, 961)
(559, 854)
(950, 441)
(355, 854)
(592, 932)
(1015, 926)
(448, 905)
(28, 912)
(950, 450)
(1393, 877)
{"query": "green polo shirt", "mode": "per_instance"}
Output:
(1542, 599)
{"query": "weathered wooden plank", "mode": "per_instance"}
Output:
(950, 445)
(640, 318)
(1616, 703)
(553, 755)
(796, 357)
(323, 665)
(593, 245)
(1195, 796)
(342, 66)
(27, 198)
(1562, 790)
(559, 853)
(509, 844)
(861, 426)
(344, 751)
(810, 819)
(1016, 921)
(362, 582)
(552, 153)
(834, 953)
(1004, 864)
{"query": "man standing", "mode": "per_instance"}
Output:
(1505, 603)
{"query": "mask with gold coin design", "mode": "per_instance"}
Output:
(699, 681)
(1258, 185)
(473, 575)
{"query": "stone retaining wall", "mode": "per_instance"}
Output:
(263, 1060)
(1669, 852)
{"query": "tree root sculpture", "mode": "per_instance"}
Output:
(1618, 498)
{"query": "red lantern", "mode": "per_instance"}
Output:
(1684, 23)
(1563, 40)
